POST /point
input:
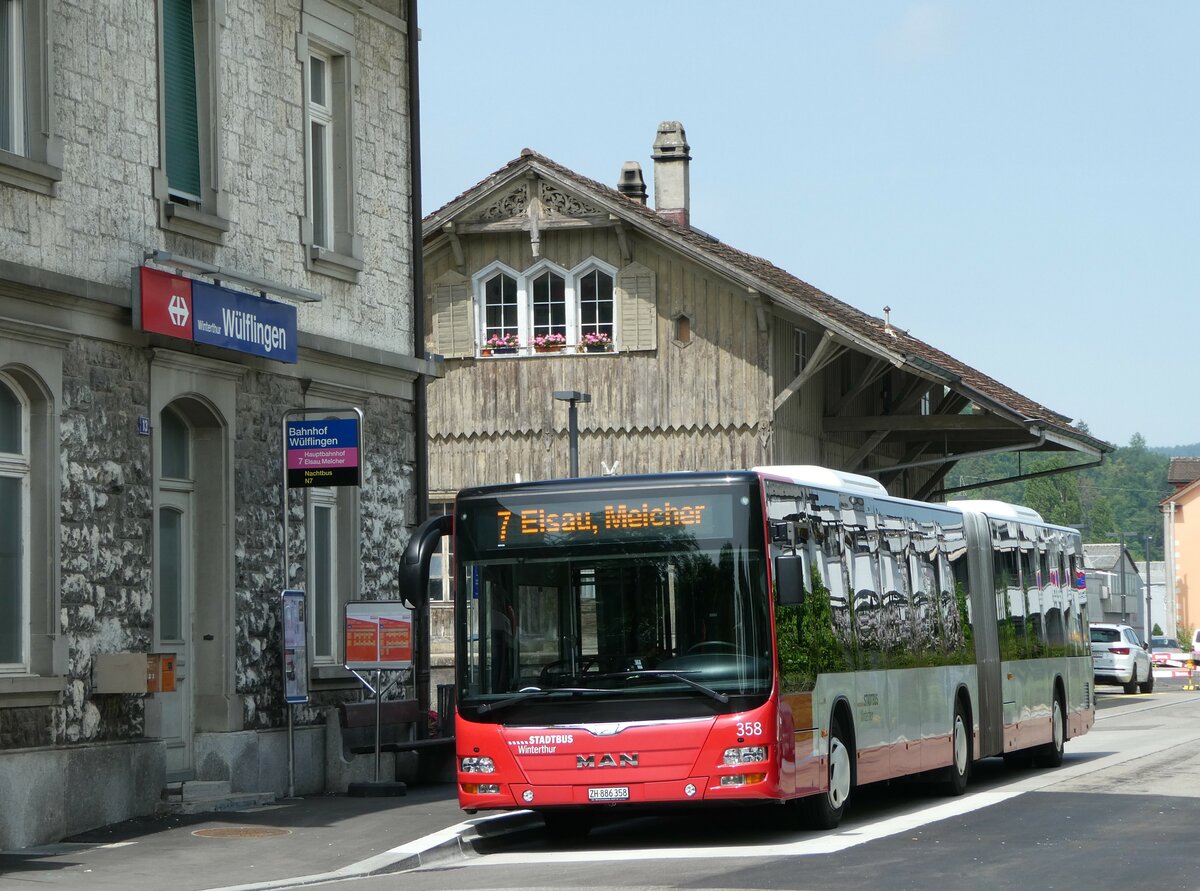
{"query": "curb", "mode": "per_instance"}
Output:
(455, 842)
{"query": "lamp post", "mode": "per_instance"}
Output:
(572, 398)
(1149, 621)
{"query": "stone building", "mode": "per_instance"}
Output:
(206, 216)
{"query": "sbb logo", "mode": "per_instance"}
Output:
(177, 309)
(166, 303)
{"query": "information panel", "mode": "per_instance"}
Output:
(378, 634)
(322, 453)
(295, 647)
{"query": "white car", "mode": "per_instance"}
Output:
(1120, 657)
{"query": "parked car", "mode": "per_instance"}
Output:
(1120, 657)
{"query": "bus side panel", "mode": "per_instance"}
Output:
(1028, 693)
(800, 770)
(1081, 711)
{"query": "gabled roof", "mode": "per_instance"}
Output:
(1182, 471)
(854, 327)
(1101, 557)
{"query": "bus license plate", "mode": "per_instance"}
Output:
(609, 793)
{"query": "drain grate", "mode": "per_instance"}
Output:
(242, 832)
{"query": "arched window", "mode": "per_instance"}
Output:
(596, 304)
(549, 304)
(500, 318)
(14, 527)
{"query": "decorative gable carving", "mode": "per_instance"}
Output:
(557, 201)
(511, 205)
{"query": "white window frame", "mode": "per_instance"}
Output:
(320, 114)
(17, 465)
(593, 264)
(13, 127)
(320, 499)
(34, 160)
(525, 297)
(327, 35)
(444, 557)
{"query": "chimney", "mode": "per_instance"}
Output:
(631, 184)
(672, 192)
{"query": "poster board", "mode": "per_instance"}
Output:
(295, 647)
(378, 634)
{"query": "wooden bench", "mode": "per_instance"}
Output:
(398, 722)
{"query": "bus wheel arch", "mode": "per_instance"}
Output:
(1051, 754)
(825, 809)
(962, 746)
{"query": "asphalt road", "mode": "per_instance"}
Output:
(1121, 812)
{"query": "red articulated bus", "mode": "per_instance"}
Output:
(783, 634)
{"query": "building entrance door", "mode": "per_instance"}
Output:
(175, 611)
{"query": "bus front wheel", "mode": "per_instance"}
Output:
(824, 810)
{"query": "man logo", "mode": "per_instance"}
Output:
(621, 759)
(178, 311)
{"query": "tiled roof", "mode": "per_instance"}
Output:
(779, 283)
(1182, 471)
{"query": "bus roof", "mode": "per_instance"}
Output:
(1000, 510)
(814, 475)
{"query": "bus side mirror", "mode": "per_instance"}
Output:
(414, 565)
(791, 572)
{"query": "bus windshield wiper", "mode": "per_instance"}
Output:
(530, 693)
(674, 675)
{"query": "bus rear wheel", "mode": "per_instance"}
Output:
(824, 811)
(959, 771)
(1051, 754)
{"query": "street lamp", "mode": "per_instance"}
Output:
(572, 398)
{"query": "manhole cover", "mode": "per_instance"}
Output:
(242, 832)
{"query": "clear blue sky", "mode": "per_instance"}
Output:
(1019, 181)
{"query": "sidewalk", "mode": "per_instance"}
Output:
(261, 848)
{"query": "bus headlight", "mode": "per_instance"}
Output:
(477, 764)
(745, 755)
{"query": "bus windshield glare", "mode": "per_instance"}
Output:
(616, 603)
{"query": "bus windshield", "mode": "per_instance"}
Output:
(625, 604)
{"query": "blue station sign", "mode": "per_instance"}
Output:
(239, 321)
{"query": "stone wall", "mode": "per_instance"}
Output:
(106, 532)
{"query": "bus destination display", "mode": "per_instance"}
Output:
(619, 519)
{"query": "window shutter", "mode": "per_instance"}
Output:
(453, 323)
(638, 308)
(179, 84)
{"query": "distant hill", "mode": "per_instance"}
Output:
(1182, 451)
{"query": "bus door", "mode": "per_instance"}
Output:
(987, 646)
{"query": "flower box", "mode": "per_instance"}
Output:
(554, 348)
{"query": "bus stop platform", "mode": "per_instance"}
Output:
(293, 842)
